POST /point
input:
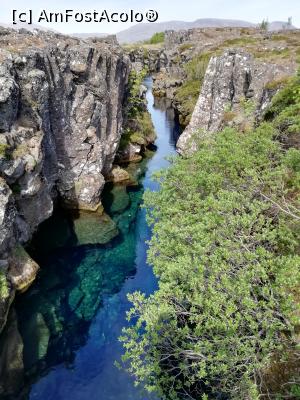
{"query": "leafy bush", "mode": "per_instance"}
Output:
(143, 136)
(158, 37)
(139, 128)
(285, 107)
(264, 25)
(135, 102)
(224, 248)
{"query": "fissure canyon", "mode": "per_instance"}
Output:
(84, 124)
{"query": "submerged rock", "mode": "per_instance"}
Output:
(118, 174)
(22, 269)
(93, 228)
(36, 339)
(11, 358)
(130, 153)
(119, 199)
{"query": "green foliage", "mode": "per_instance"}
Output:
(240, 41)
(248, 106)
(295, 391)
(187, 96)
(277, 83)
(146, 127)
(4, 292)
(135, 102)
(196, 68)
(224, 248)
(285, 108)
(143, 136)
(4, 151)
(264, 25)
(158, 37)
(188, 93)
(139, 128)
(271, 53)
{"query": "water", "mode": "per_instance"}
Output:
(71, 318)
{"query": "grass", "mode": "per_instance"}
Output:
(5, 151)
(277, 83)
(185, 46)
(242, 41)
(188, 93)
(187, 96)
(272, 53)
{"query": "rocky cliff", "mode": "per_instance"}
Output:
(236, 90)
(60, 126)
(180, 62)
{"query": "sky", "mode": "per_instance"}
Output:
(184, 10)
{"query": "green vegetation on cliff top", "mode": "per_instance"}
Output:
(225, 248)
(187, 94)
(280, 48)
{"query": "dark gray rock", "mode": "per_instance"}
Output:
(60, 126)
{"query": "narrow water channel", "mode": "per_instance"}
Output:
(71, 318)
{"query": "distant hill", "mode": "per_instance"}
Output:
(279, 25)
(144, 31)
(89, 35)
(32, 27)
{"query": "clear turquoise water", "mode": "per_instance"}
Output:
(71, 318)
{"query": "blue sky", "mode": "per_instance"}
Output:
(188, 10)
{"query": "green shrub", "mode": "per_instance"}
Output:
(224, 248)
(158, 37)
(4, 151)
(143, 136)
(264, 25)
(135, 103)
(285, 107)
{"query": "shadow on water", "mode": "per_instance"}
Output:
(72, 316)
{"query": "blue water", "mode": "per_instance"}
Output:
(71, 318)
